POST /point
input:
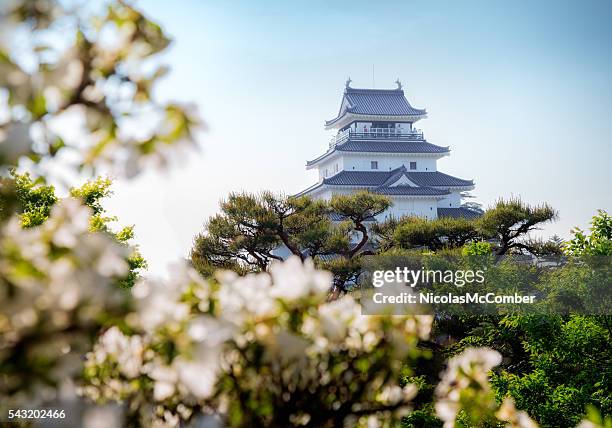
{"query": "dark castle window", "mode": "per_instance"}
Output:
(383, 125)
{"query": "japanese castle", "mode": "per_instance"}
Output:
(377, 148)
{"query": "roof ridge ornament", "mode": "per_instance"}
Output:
(399, 84)
(348, 83)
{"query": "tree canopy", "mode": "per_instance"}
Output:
(510, 221)
(556, 366)
(598, 242)
(253, 230)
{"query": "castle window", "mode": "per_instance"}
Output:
(413, 165)
(374, 165)
(379, 125)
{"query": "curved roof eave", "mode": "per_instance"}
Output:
(354, 116)
(443, 151)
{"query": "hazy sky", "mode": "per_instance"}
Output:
(521, 91)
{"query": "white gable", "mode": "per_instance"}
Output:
(403, 181)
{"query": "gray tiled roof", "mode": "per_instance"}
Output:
(380, 101)
(410, 191)
(391, 147)
(458, 212)
(395, 175)
(357, 146)
(383, 102)
(437, 179)
(358, 178)
(378, 178)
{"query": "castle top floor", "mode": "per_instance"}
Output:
(380, 108)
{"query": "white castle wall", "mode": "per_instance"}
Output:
(331, 167)
(386, 162)
(362, 162)
(427, 208)
(452, 201)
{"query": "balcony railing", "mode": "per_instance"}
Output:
(377, 134)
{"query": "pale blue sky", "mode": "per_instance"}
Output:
(521, 91)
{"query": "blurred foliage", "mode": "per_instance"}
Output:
(92, 192)
(57, 292)
(101, 78)
(77, 94)
(261, 349)
(36, 199)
